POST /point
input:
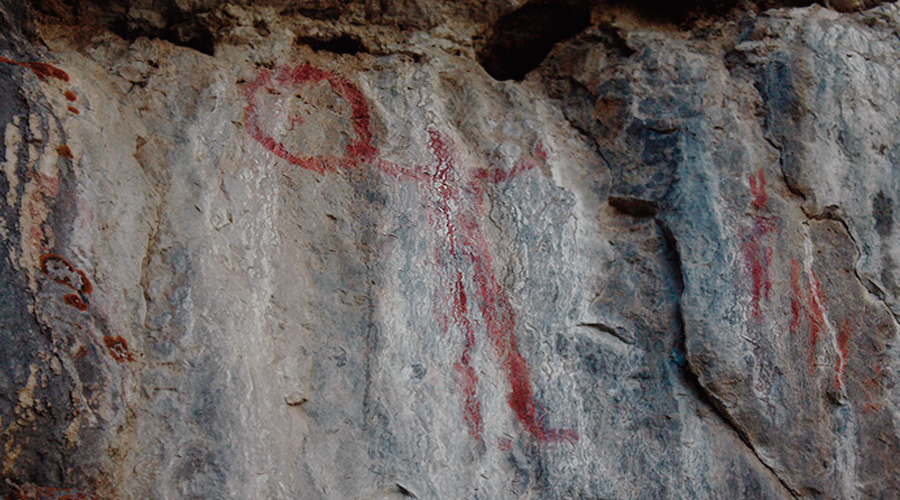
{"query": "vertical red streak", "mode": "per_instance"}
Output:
(816, 320)
(758, 189)
(841, 365)
(757, 254)
(497, 313)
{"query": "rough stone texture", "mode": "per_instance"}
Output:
(291, 250)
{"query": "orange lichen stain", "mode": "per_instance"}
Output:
(64, 151)
(73, 110)
(71, 96)
(41, 70)
(75, 300)
(118, 348)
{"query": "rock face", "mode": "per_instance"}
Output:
(303, 250)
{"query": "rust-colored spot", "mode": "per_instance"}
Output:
(63, 272)
(58, 268)
(118, 348)
(75, 300)
(41, 70)
(71, 96)
(64, 151)
(86, 286)
(74, 110)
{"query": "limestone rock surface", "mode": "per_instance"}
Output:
(504, 249)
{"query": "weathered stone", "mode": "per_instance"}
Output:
(294, 250)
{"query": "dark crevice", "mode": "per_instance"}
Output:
(519, 41)
(634, 207)
(344, 44)
(609, 330)
(186, 30)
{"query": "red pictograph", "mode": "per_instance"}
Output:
(472, 301)
(293, 80)
(757, 252)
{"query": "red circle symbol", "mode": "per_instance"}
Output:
(295, 80)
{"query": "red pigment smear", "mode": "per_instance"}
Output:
(75, 300)
(758, 190)
(64, 151)
(360, 148)
(841, 365)
(118, 348)
(42, 70)
(756, 252)
(70, 96)
(539, 151)
(73, 110)
(816, 320)
(41, 493)
(497, 313)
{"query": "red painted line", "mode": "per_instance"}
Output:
(41, 70)
(758, 190)
(293, 79)
(498, 315)
(455, 220)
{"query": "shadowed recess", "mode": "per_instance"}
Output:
(520, 40)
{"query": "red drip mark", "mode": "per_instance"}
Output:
(30, 492)
(73, 110)
(841, 365)
(70, 96)
(63, 272)
(756, 252)
(41, 70)
(118, 348)
(293, 79)
(64, 151)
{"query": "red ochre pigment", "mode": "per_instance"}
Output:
(75, 300)
(457, 220)
(360, 148)
(807, 304)
(70, 96)
(118, 348)
(461, 243)
(842, 340)
(73, 110)
(64, 151)
(42, 70)
(756, 252)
